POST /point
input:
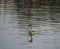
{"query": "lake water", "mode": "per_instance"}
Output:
(14, 29)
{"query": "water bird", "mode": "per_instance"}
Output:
(31, 33)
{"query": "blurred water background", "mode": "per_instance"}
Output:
(15, 16)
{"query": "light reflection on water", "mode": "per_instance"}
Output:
(14, 30)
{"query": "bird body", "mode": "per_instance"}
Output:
(32, 33)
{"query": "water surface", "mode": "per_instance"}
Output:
(14, 28)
